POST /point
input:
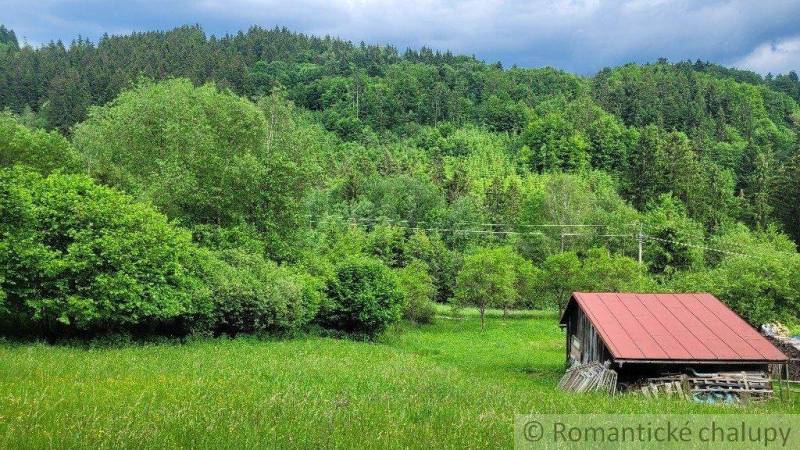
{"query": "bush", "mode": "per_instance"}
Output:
(255, 295)
(81, 257)
(418, 290)
(41, 150)
(362, 298)
(202, 156)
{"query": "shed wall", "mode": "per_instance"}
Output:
(583, 342)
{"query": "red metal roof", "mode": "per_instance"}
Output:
(673, 327)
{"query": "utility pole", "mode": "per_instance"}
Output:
(640, 239)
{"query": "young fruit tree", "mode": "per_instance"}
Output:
(486, 280)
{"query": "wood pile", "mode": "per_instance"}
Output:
(779, 336)
(791, 348)
(719, 387)
(669, 386)
(589, 377)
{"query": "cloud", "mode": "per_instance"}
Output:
(776, 57)
(577, 35)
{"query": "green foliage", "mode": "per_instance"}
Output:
(254, 295)
(414, 201)
(493, 278)
(505, 114)
(358, 151)
(201, 155)
(607, 272)
(756, 275)
(552, 144)
(38, 149)
(418, 290)
(561, 274)
(82, 257)
(598, 271)
(362, 298)
(442, 263)
(387, 243)
(788, 200)
(671, 234)
(589, 206)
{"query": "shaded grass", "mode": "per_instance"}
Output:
(441, 386)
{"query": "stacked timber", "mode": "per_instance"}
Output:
(589, 377)
(789, 345)
(718, 387)
(667, 386)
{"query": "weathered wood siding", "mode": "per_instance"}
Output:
(583, 343)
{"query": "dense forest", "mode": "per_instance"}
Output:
(273, 182)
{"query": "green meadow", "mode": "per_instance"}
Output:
(438, 386)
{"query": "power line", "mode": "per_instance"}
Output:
(639, 237)
(695, 246)
(461, 230)
(486, 224)
(743, 247)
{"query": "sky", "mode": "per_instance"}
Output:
(580, 36)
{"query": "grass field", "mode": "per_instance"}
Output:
(439, 386)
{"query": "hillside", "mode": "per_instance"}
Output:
(270, 146)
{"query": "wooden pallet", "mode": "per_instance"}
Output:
(590, 377)
(729, 386)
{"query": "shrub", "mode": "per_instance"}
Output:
(418, 290)
(254, 295)
(202, 155)
(77, 256)
(41, 150)
(362, 298)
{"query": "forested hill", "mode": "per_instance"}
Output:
(737, 123)
(265, 140)
(71, 77)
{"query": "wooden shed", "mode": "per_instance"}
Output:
(641, 332)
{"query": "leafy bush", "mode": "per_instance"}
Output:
(77, 256)
(255, 295)
(38, 149)
(202, 156)
(418, 290)
(363, 297)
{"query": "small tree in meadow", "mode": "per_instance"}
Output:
(486, 280)
(419, 291)
(561, 275)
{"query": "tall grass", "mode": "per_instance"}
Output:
(440, 386)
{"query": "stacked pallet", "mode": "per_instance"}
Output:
(667, 386)
(589, 377)
(718, 387)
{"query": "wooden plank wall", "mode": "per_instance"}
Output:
(583, 342)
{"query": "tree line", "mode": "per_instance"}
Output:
(274, 182)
